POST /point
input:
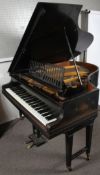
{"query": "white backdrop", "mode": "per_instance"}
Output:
(93, 54)
(14, 16)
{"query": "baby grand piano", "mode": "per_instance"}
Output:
(57, 94)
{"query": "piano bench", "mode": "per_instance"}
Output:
(69, 142)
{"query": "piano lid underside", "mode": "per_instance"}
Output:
(44, 39)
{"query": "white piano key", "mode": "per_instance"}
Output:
(36, 114)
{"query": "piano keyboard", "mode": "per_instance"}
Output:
(38, 108)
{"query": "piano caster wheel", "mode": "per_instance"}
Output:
(88, 157)
(69, 168)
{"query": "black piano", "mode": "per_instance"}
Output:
(54, 91)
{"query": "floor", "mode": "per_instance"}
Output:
(48, 159)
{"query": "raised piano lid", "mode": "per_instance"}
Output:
(44, 39)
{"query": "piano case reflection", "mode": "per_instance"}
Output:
(48, 86)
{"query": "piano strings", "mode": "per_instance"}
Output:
(70, 79)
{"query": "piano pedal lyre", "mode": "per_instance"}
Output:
(35, 139)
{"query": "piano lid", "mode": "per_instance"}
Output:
(44, 39)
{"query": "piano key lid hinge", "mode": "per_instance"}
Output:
(72, 56)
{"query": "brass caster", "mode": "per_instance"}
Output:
(69, 168)
(88, 157)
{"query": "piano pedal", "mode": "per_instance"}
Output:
(40, 141)
(30, 137)
(33, 140)
(28, 141)
(30, 145)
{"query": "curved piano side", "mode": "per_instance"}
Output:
(94, 72)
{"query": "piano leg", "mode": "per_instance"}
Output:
(69, 145)
(89, 130)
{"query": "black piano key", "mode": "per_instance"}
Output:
(31, 99)
(41, 109)
(20, 93)
(36, 99)
(43, 106)
(18, 90)
(40, 106)
(36, 104)
(15, 87)
(46, 111)
(27, 99)
(51, 117)
(23, 95)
